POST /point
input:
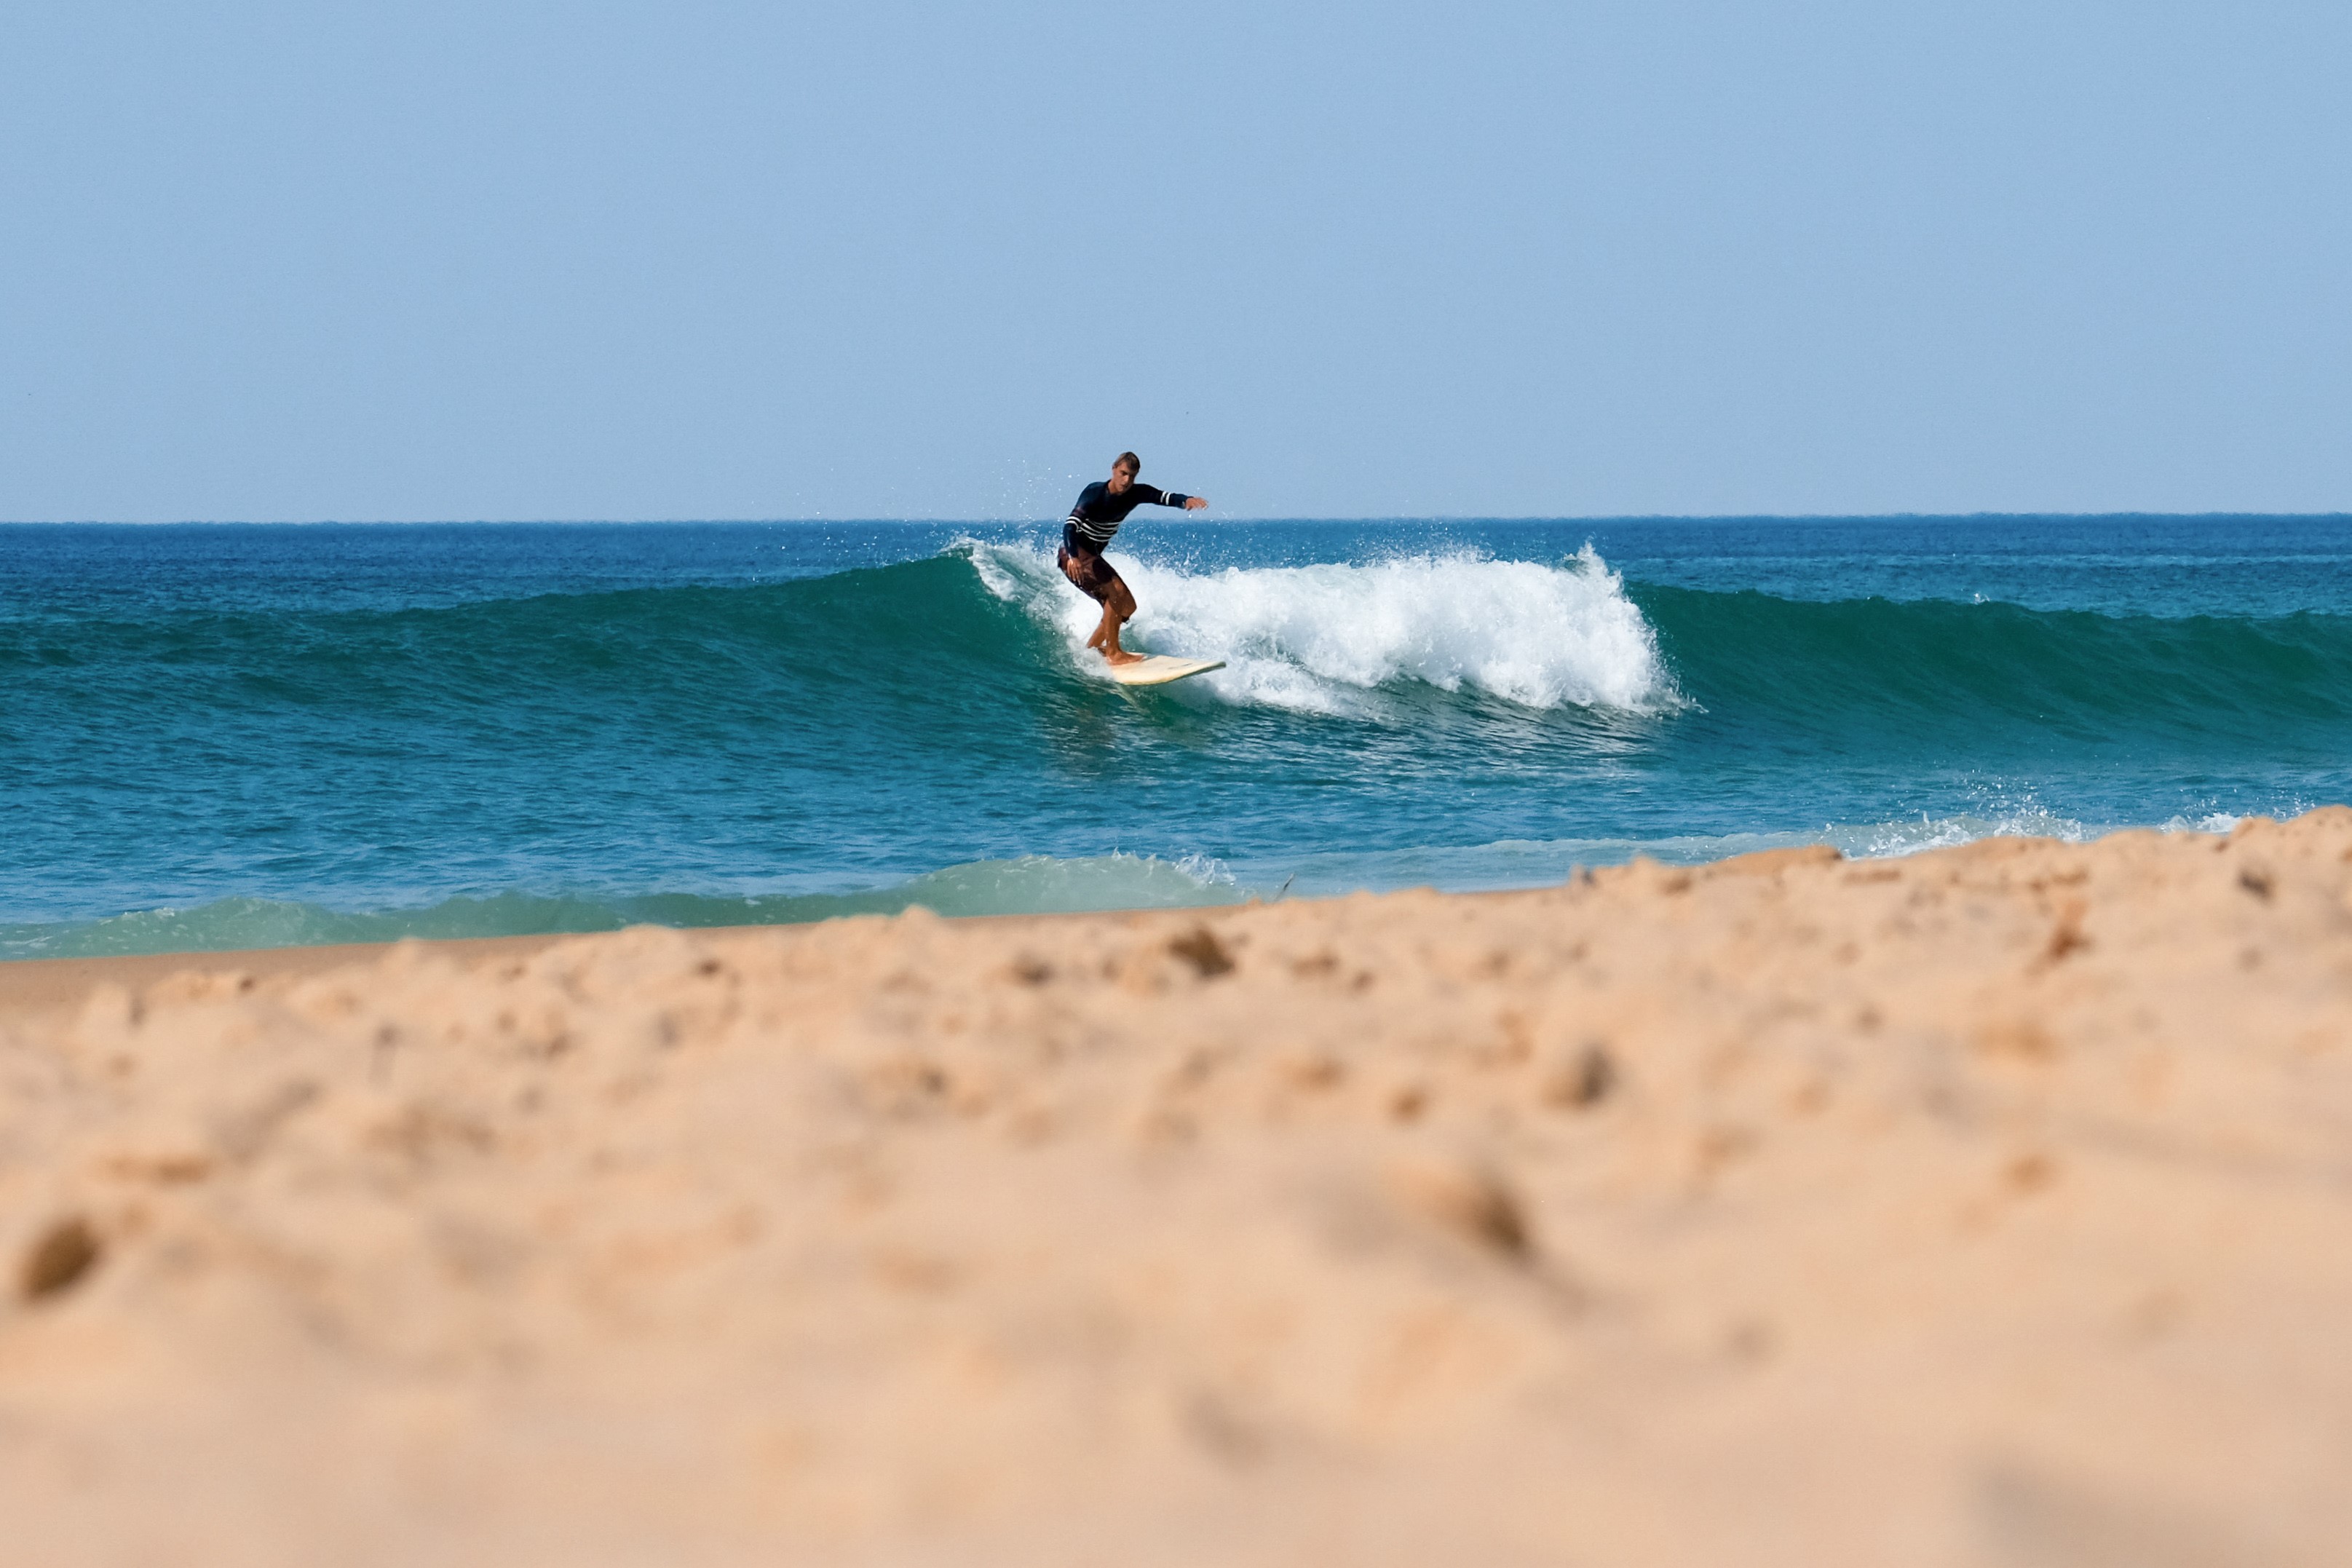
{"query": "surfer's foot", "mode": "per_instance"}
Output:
(1121, 656)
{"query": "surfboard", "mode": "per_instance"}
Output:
(1160, 669)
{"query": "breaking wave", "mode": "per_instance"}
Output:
(1313, 638)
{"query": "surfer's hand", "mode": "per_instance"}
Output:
(1194, 503)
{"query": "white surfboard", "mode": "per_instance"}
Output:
(1160, 669)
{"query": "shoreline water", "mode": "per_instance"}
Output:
(50, 979)
(1034, 886)
(1788, 1209)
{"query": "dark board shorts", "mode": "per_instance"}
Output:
(1083, 564)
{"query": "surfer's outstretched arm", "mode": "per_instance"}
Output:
(1149, 496)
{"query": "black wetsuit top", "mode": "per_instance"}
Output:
(1098, 513)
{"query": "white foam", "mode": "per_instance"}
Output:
(1317, 639)
(1893, 840)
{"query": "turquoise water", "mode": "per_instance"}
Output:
(230, 735)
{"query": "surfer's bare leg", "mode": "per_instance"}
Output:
(1119, 608)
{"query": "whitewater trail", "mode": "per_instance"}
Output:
(1315, 639)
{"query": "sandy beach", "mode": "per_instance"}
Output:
(1991, 1207)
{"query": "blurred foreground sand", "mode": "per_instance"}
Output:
(1989, 1207)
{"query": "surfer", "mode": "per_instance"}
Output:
(1101, 508)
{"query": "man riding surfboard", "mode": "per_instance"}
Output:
(1101, 508)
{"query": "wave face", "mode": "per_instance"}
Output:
(1998, 679)
(334, 734)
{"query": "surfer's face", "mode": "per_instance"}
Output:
(1121, 478)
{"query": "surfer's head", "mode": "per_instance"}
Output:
(1123, 471)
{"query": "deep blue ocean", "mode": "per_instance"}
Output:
(218, 736)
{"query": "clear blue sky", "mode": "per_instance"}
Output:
(703, 260)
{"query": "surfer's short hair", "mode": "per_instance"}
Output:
(1129, 461)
